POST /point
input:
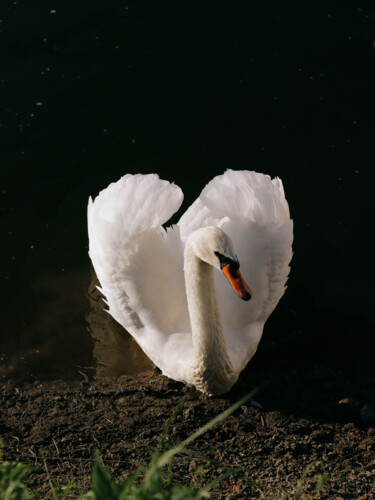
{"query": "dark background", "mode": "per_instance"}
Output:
(93, 90)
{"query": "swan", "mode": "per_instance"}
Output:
(168, 287)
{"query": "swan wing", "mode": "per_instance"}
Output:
(251, 208)
(139, 264)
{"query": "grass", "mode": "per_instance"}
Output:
(320, 480)
(151, 482)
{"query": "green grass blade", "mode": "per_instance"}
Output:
(301, 482)
(102, 483)
(55, 494)
(222, 477)
(171, 419)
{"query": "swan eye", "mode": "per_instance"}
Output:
(224, 261)
(234, 266)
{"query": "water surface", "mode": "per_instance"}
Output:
(94, 90)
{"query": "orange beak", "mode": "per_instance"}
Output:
(237, 282)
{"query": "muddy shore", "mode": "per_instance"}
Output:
(304, 412)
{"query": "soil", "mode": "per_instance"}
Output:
(312, 406)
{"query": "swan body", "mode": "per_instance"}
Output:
(168, 287)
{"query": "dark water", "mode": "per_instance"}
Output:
(92, 90)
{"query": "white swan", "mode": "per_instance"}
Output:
(176, 318)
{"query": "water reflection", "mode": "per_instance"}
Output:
(67, 334)
(49, 337)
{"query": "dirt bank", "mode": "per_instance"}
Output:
(310, 413)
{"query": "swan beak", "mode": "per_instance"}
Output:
(238, 283)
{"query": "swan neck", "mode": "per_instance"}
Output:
(212, 371)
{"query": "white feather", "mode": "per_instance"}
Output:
(140, 265)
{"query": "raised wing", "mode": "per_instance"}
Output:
(252, 209)
(138, 263)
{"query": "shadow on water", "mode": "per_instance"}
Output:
(60, 341)
(49, 337)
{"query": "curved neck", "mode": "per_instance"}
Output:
(213, 371)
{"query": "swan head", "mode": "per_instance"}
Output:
(214, 247)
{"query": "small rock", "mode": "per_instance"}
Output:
(349, 408)
(350, 403)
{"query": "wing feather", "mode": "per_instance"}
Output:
(138, 263)
(252, 209)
